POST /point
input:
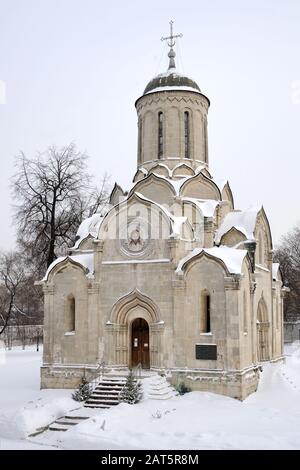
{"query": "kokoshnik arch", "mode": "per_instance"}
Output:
(170, 275)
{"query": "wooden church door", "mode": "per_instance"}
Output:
(140, 343)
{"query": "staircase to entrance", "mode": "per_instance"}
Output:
(106, 394)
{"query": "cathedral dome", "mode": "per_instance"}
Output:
(171, 80)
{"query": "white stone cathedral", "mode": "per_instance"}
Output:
(170, 276)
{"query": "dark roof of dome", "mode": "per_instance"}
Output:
(171, 79)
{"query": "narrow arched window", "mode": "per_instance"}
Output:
(260, 250)
(70, 314)
(205, 326)
(160, 134)
(140, 140)
(186, 134)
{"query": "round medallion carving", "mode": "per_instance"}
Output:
(134, 237)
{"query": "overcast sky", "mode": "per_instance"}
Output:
(72, 70)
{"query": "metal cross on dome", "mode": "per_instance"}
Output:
(172, 37)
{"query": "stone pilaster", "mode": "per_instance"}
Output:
(174, 251)
(48, 290)
(179, 288)
(232, 286)
(252, 319)
(270, 260)
(208, 232)
(93, 323)
(98, 253)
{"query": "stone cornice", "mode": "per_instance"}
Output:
(48, 289)
(163, 98)
(99, 245)
(94, 288)
(208, 224)
(232, 282)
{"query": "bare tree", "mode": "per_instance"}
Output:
(288, 255)
(12, 276)
(97, 198)
(53, 193)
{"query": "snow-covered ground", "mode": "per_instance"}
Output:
(23, 406)
(268, 419)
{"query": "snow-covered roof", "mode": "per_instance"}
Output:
(174, 88)
(160, 165)
(176, 184)
(170, 72)
(176, 221)
(86, 260)
(171, 171)
(171, 80)
(231, 257)
(275, 269)
(244, 221)
(221, 183)
(184, 165)
(206, 206)
(199, 169)
(89, 226)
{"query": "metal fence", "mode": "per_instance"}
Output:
(22, 335)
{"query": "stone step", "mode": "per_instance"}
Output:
(105, 394)
(93, 400)
(107, 390)
(102, 402)
(57, 427)
(112, 384)
(161, 387)
(114, 379)
(66, 423)
(108, 385)
(76, 417)
(100, 406)
(113, 391)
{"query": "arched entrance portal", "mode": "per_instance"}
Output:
(140, 343)
(135, 316)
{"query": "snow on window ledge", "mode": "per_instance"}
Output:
(70, 333)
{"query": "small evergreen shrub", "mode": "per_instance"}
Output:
(131, 392)
(182, 388)
(83, 392)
